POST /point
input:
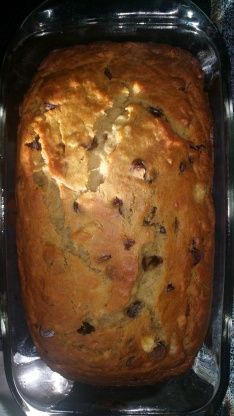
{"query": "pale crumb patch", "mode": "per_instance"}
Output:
(114, 138)
(199, 192)
(125, 91)
(128, 131)
(169, 161)
(90, 130)
(123, 118)
(174, 347)
(103, 168)
(136, 88)
(147, 343)
(181, 320)
(130, 109)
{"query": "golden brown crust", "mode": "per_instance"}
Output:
(115, 225)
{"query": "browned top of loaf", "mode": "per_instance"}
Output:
(115, 223)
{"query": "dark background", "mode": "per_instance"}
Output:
(14, 14)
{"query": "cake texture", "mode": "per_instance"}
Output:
(115, 228)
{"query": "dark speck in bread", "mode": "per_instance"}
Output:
(134, 309)
(183, 166)
(170, 287)
(46, 333)
(86, 328)
(197, 253)
(158, 352)
(76, 206)
(150, 262)
(35, 144)
(104, 258)
(108, 73)
(155, 111)
(128, 243)
(50, 106)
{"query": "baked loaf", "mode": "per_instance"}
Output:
(115, 226)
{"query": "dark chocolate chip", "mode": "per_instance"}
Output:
(117, 202)
(170, 287)
(50, 106)
(35, 144)
(176, 224)
(197, 254)
(86, 328)
(150, 262)
(183, 166)
(155, 111)
(138, 164)
(93, 144)
(128, 243)
(103, 258)
(46, 333)
(108, 73)
(158, 352)
(162, 229)
(198, 147)
(149, 219)
(76, 206)
(134, 309)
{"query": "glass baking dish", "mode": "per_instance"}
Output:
(37, 389)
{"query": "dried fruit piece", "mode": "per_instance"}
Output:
(196, 252)
(158, 352)
(170, 287)
(162, 229)
(76, 206)
(150, 262)
(198, 147)
(46, 333)
(108, 73)
(35, 144)
(155, 111)
(86, 328)
(134, 309)
(117, 202)
(128, 243)
(138, 164)
(183, 166)
(50, 106)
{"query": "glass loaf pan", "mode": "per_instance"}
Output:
(37, 389)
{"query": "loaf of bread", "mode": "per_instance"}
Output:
(115, 229)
